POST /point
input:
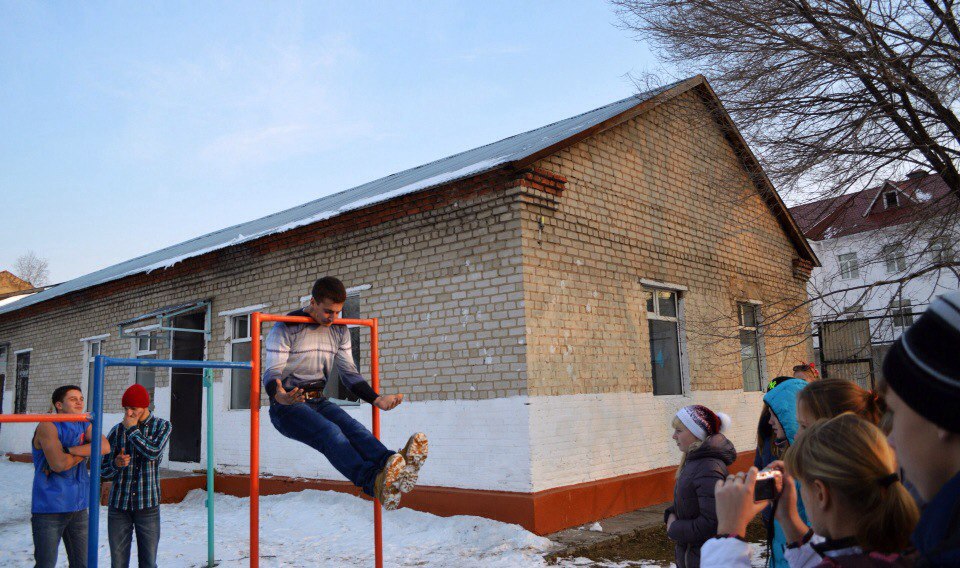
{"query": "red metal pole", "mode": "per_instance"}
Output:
(375, 423)
(255, 325)
(44, 417)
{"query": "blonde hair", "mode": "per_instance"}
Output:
(852, 457)
(677, 424)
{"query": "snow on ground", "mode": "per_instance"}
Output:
(309, 528)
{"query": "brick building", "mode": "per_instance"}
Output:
(541, 299)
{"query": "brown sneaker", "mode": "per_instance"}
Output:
(386, 485)
(414, 454)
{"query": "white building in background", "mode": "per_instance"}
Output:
(869, 241)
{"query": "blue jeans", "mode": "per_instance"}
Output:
(120, 526)
(49, 528)
(325, 427)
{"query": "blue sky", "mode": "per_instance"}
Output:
(128, 127)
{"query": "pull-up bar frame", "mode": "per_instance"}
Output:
(257, 319)
(100, 364)
(256, 323)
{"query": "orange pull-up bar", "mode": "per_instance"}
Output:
(256, 322)
(44, 418)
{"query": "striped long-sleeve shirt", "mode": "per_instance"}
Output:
(297, 353)
(136, 486)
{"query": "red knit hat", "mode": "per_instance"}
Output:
(136, 397)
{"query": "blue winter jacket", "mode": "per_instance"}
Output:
(782, 400)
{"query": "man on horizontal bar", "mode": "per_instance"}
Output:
(299, 360)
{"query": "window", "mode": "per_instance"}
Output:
(664, 325)
(3, 374)
(848, 265)
(891, 199)
(92, 348)
(334, 388)
(893, 257)
(750, 352)
(240, 351)
(901, 313)
(23, 380)
(941, 249)
(146, 347)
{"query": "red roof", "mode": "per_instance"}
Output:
(864, 210)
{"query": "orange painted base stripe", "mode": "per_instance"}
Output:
(543, 512)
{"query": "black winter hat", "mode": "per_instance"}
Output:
(923, 366)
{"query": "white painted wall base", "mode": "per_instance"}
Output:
(520, 444)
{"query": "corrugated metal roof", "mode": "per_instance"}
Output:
(451, 168)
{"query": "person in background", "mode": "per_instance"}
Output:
(137, 444)
(859, 512)
(782, 403)
(832, 397)
(922, 392)
(806, 372)
(61, 483)
(692, 519)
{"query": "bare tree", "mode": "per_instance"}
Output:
(835, 96)
(832, 93)
(33, 269)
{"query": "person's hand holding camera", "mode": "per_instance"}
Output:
(787, 513)
(735, 504)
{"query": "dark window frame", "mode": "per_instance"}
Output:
(660, 327)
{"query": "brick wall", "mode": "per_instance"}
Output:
(661, 197)
(445, 284)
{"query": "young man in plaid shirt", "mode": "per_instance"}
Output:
(136, 448)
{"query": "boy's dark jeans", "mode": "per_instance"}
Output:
(49, 528)
(120, 528)
(327, 428)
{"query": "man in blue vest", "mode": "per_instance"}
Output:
(61, 483)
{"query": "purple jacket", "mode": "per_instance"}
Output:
(693, 500)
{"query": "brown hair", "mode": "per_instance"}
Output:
(330, 288)
(852, 457)
(832, 397)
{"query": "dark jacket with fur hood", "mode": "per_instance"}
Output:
(693, 500)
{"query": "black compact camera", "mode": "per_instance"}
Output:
(313, 389)
(768, 485)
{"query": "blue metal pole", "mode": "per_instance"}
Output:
(208, 387)
(96, 416)
(116, 362)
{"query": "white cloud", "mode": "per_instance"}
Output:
(232, 108)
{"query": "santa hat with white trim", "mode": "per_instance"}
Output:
(703, 422)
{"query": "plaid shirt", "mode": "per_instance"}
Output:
(136, 486)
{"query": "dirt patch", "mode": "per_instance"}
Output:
(650, 544)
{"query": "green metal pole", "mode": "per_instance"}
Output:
(208, 387)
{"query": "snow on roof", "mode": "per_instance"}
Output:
(451, 168)
(12, 299)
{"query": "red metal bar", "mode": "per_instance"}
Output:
(375, 424)
(256, 322)
(255, 325)
(44, 417)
